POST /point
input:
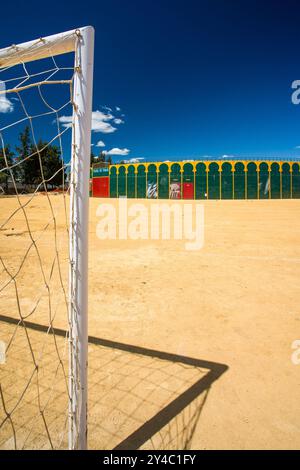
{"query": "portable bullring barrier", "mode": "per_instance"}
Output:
(198, 180)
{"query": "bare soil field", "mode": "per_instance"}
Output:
(188, 349)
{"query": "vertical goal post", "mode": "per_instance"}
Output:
(81, 42)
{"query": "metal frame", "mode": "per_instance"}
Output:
(79, 196)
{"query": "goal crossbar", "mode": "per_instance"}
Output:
(40, 48)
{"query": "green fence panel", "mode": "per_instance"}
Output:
(141, 182)
(130, 182)
(252, 181)
(286, 181)
(121, 182)
(113, 182)
(295, 181)
(200, 181)
(188, 173)
(275, 181)
(163, 182)
(226, 181)
(152, 182)
(239, 177)
(213, 181)
(264, 181)
(246, 180)
(175, 174)
(100, 171)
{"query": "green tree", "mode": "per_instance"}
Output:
(41, 162)
(50, 165)
(6, 160)
(28, 166)
(109, 160)
(101, 157)
(93, 158)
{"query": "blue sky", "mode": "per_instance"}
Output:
(188, 78)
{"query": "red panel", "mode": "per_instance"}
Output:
(101, 186)
(188, 191)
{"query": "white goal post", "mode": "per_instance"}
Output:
(81, 42)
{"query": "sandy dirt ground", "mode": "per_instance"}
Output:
(165, 322)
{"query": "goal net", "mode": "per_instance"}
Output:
(45, 126)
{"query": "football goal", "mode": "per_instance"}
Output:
(45, 138)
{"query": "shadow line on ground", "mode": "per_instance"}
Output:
(152, 426)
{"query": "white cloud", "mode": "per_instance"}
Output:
(118, 121)
(228, 157)
(134, 160)
(118, 108)
(6, 106)
(117, 151)
(104, 127)
(100, 143)
(100, 122)
(297, 147)
(65, 120)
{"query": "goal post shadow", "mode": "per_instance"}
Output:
(140, 397)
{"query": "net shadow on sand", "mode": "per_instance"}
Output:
(139, 398)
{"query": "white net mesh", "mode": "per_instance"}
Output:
(138, 398)
(36, 112)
